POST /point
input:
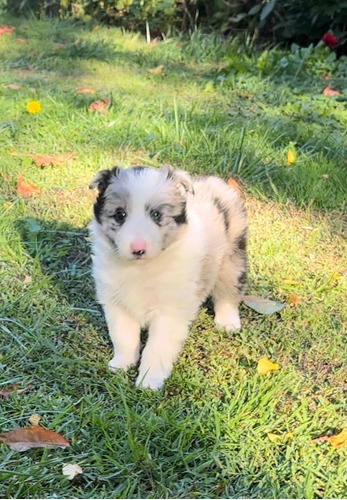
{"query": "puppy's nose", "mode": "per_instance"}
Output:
(138, 247)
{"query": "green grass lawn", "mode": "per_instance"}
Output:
(215, 108)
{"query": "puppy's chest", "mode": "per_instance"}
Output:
(146, 290)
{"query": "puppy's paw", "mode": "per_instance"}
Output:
(119, 362)
(147, 381)
(229, 319)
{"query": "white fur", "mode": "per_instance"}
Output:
(164, 289)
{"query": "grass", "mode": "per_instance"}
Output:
(216, 108)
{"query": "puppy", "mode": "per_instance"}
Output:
(162, 243)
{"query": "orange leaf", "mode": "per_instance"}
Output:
(100, 106)
(20, 41)
(156, 71)
(293, 300)
(328, 91)
(335, 441)
(233, 184)
(81, 90)
(33, 437)
(7, 392)
(6, 30)
(55, 160)
(26, 189)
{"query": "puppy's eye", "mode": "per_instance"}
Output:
(156, 215)
(120, 215)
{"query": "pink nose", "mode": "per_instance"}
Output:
(138, 247)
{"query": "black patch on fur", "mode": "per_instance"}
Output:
(241, 241)
(222, 210)
(182, 217)
(242, 280)
(105, 179)
(139, 169)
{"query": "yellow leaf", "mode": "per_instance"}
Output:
(34, 419)
(290, 157)
(274, 438)
(266, 366)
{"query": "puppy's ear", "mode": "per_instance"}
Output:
(103, 178)
(182, 179)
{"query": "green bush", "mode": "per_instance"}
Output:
(299, 21)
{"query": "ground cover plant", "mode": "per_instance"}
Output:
(219, 428)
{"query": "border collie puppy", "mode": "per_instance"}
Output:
(162, 243)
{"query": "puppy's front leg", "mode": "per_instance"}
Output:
(124, 331)
(166, 336)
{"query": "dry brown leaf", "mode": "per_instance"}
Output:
(328, 91)
(81, 90)
(96, 28)
(26, 189)
(335, 441)
(233, 184)
(156, 71)
(100, 106)
(7, 392)
(55, 160)
(24, 438)
(6, 30)
(293, 300)
(21, 41)
(14, 86)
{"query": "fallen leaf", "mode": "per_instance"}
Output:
(293, 300)
(262, 306)
(325, 75)
(14, 86)
(154, 42)
(274, 438)
(26, 189)
(328, 91)
(100, 106)
(27, 279)
(6, 30)
(71, 470)
(24, 438)
(265, 366)
(335, 441)
(96, 28)
(325, 176)
(290, 157)
(21, 41)
(14, 389)
(55, 160)
(81, 90)
(156, 71)
(233, 184)
(35, 419)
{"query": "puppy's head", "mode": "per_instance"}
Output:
(141, 210)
